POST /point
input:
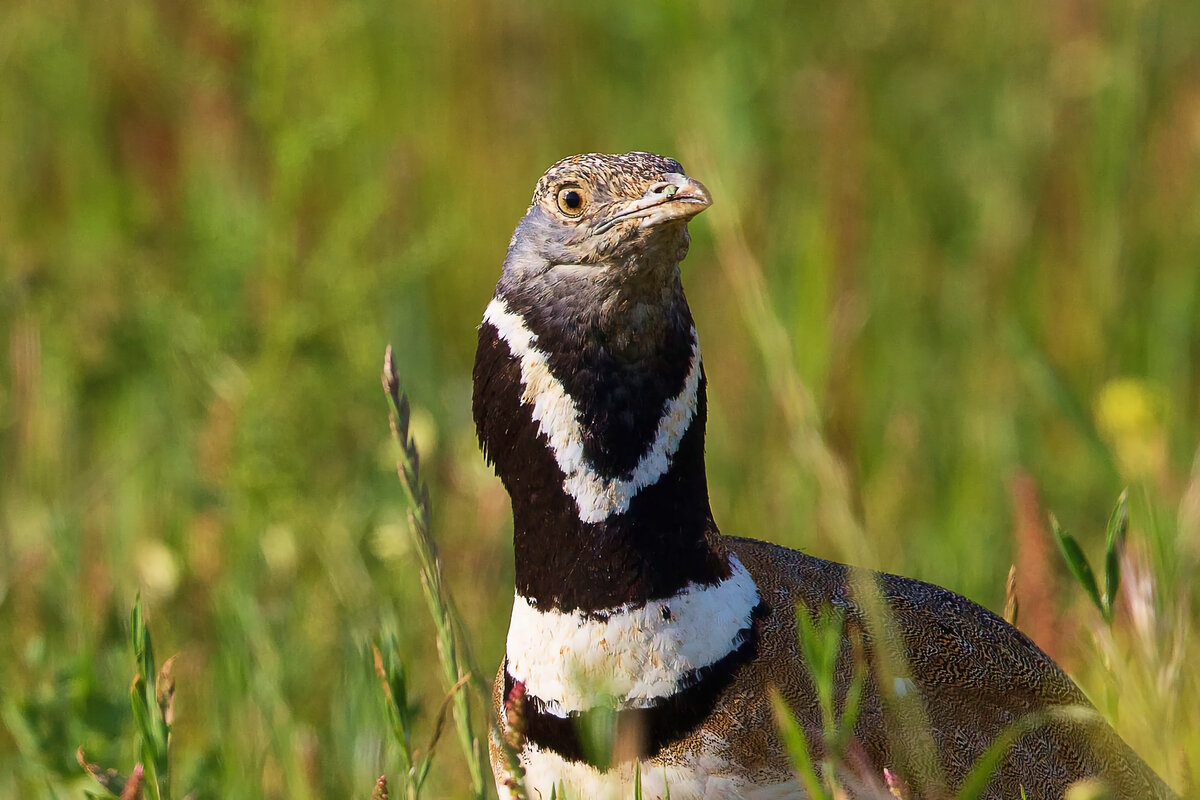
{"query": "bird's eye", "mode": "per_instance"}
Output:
(571, 201)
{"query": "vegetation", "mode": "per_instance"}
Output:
(949, 284)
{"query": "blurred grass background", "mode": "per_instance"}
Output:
(978, 225)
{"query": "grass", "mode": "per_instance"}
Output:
(953, 252)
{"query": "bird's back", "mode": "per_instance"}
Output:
(960, 677)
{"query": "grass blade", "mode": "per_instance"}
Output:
(452, 650)
(1077, 562)
(985, 767)
(1114, 546)
(797, 748)
(150, 710)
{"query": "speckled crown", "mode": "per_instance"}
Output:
(620, 173)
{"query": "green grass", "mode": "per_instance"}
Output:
(964, 235)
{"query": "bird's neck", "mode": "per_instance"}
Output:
(595, 424)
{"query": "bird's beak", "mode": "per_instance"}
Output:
(675, 197)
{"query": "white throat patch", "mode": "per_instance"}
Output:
(574, 661)
(557, 417)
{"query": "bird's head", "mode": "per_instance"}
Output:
(602, 224)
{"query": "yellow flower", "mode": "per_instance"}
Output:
(1129, 417)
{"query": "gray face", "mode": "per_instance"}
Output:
(603, 230)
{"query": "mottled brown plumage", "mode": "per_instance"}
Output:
(975, 674)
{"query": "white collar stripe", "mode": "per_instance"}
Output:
(689, 776)
(639, 655)
(557, 417)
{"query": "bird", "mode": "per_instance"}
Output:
(646, 645)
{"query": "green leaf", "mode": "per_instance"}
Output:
(1076, 562)
(1114, 546)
